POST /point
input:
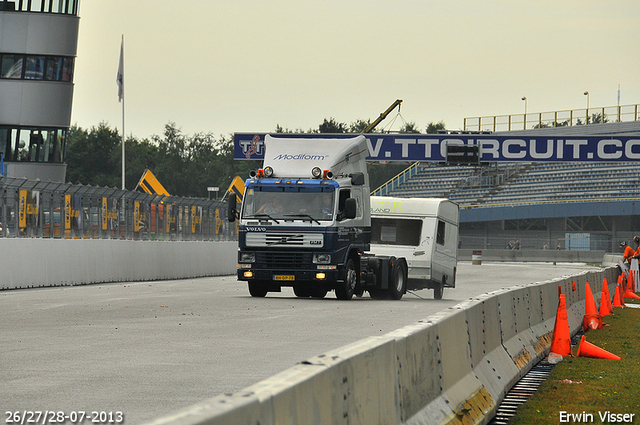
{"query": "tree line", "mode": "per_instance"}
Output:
(185, 164)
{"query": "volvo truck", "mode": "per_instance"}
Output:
(306, 222)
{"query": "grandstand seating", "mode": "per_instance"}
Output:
(525, 183)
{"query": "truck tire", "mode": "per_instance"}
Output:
(345, 290)
(438, 289)
(257, 289)
(398, 280)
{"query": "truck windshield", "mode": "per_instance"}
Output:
(385, 231)
(316, 206)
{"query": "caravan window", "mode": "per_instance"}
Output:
(440, 233)
(395, 232)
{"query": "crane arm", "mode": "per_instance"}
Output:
(382, 116)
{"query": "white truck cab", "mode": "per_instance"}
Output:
(424, 231)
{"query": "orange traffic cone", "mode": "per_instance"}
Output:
(573, 285)
(631, 295)
(629, 291)
(591, 319)
(587, 349)
(561, 340)
(605, 300)
(617, 298)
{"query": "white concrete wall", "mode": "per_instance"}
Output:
(456, 367)
(26, 263)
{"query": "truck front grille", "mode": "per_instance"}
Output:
(279, 240)
(284, 260)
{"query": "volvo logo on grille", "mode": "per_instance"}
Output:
(256, 229)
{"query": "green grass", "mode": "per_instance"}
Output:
(584, 385)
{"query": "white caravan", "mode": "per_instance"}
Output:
(424, 231)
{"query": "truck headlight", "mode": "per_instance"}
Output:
(247, 257)
(321, 258)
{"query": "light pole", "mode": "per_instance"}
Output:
(525, 111)
(587, 94)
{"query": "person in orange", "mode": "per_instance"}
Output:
(636, 254)
(628, 252)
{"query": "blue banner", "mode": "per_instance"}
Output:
(433, 147)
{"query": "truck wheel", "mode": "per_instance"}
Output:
(398, 282)
(257, 289)
(439, 289)
(346, 290)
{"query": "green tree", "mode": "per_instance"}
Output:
(410, 127)
(171, 165)
(89, 156)
(359, 126)
(433, 128)
(332, 126)
(139, 156)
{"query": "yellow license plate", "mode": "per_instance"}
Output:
(283, 277)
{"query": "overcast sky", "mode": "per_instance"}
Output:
(247, 65)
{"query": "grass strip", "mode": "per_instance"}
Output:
(594, 391)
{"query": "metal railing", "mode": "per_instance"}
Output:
(564, 118)
(515, 241)
(396, 181)
(33, 208)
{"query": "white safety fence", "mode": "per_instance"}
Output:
(35, 262)
(454, 367)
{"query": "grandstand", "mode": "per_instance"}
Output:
(538, 203)
(532, 183)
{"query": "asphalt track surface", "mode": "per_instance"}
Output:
(148, 349)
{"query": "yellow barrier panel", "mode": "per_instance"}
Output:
(150, 184)
(104, 213)
(23, 209)
(136, 215)
(237, 187)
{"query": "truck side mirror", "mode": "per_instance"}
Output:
(350, 208)
(231, 208)
(357, 179)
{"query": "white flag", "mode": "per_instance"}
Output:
(120, 76)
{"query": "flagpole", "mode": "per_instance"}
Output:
(123, 132)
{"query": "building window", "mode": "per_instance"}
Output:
(11, 66)
(36, 67)
(32, 144)
(440, 233)
(66, 7)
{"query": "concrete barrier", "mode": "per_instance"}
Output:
(27, 263)
(454, 367)
(535, 255)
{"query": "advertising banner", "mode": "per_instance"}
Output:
(433, 147)
(136, 215)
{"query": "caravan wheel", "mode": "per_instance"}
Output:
(438, 290)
